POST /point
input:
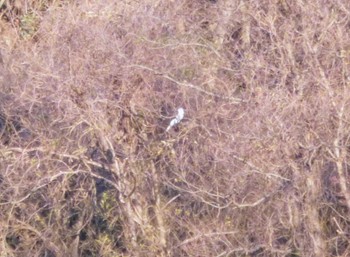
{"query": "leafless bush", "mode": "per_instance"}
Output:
(258, 166)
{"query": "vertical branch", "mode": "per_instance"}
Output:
(221, 28)
(340, 157)
(124, 186)
(158, 211)
(312, 183)
(339, 152)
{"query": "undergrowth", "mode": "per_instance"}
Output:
(257, 167)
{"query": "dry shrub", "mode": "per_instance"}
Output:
(258, 167)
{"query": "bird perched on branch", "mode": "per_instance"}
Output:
(180, 115)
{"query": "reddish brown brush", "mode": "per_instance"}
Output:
(258, 165)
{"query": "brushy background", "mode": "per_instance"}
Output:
(258, 167)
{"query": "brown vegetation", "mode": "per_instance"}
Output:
(258, 167)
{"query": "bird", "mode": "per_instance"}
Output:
(180, 115)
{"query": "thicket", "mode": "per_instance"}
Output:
(259, 166)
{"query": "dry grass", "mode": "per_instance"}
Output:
(258, 167)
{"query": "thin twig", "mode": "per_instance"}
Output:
(186, 84)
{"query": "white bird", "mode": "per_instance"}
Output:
(180, 115)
